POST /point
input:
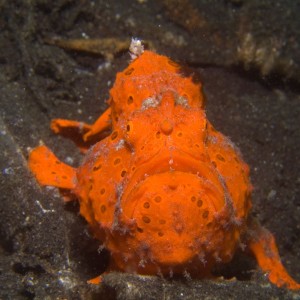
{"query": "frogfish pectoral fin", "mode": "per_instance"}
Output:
(102, 123)
(72, 130)
(263, 246)
(82, 134)
(49, 170)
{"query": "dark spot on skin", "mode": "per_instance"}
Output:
(209, 224)
(129, 71)
(64, 177)
(123, 173)
(58, 162)
(160, 233)
(130, 100)
(157, 199)
(205, 214)
(179, 134)
(102, 191)
(146, 220)
(140, 230)
(53, 172)
(114, 135)
(193, 198)
(157, 134)
(199, 203)
(103, 208)
(128, 127)
(96, 168)
(214, 164)
(146, 205)
(220, 157)
(117, 161)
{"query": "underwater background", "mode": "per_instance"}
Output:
(246, 54)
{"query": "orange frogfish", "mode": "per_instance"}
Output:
(161, 189)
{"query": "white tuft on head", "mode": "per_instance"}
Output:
(136, 48)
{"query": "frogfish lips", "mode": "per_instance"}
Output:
(164, 209)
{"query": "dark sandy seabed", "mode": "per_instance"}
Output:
(247, 55)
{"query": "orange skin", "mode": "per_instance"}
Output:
(164, 191)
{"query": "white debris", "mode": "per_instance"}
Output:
(181, 100)
(150, 102)
(69, 160)
(8, 171)
(120, 145)
(45, 211)
(66, 279)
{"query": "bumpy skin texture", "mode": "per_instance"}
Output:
(164, 191)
